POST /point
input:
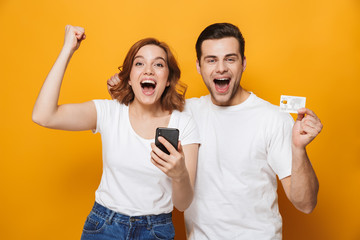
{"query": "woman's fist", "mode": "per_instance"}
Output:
(73, 37)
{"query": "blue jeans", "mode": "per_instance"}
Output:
(105, 224)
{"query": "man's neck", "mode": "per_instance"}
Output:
(240, 97)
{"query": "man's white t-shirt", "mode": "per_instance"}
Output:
(131, 184)
(243, 148)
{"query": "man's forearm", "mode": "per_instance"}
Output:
(304, 183)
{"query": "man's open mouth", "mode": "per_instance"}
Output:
(222, 84)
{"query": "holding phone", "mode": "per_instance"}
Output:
(170, 134)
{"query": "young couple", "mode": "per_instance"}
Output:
(245, 142)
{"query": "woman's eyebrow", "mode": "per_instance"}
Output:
(139, 56)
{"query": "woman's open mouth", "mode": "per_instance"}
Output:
(148, 86)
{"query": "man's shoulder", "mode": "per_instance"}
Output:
(197, 102)
(269, 110)
(183, 116)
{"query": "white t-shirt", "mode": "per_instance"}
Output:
(130, 183)
(243, 148)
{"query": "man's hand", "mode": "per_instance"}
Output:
(306, 128)
(112, 81)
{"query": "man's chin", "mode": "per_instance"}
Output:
(221, 99)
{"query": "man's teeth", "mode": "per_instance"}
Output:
(222, 79)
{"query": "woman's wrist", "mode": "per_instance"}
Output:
(182, 177)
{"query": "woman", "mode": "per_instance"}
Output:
(140, 183)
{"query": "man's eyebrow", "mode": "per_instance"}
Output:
(227, 55)
(210, 56)
(232, 55)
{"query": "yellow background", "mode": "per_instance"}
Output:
(305, 48)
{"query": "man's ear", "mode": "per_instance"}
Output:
(244, 63)
(198, 66)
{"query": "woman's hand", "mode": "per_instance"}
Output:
(182, 171)
(73, 37)
(173, 165)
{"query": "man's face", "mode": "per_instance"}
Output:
(221, 68)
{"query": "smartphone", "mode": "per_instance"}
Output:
(170, 134)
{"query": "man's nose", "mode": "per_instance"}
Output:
(221, 67)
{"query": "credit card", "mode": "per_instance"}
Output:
(291, 104)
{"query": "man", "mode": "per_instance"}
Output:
(246, 142)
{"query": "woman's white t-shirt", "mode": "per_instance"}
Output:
(131, 184)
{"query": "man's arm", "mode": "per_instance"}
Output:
(302, 186)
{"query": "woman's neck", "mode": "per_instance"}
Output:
(145, 119)
(147, 111)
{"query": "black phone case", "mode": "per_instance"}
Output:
(170, 134)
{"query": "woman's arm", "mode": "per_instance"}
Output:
(46, 111)
(180, 166)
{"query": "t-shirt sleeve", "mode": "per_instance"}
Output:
(279, 146)
(102, 113)
(189, 132)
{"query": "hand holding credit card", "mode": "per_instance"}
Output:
(291, 104)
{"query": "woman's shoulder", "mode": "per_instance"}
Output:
(109, 104)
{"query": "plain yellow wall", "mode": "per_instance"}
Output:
(302, 48)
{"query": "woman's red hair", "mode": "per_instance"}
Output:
(173, 97)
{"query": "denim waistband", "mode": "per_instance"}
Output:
(110, 216)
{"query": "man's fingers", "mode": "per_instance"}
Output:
(300, 116)
(310, 119)
(113, 80)
(304, 125)
(307, 112)
(317, 126)
(309, 131)
(111, 83)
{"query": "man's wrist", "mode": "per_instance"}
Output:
(298, 149)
